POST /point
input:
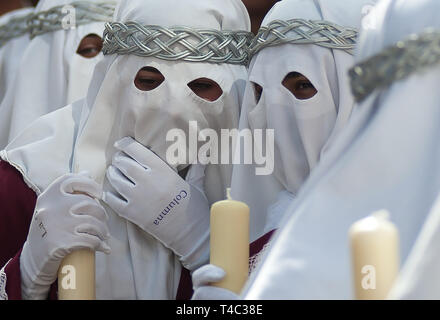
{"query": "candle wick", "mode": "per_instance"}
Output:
(382, 214)
(228, 194)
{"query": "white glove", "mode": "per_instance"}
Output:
(203, 277)
(62, 222)
(150, 194)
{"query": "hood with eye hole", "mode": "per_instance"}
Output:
(149, 78)
(90, 46)
(299, 85)
(206, 89)
(258, 91)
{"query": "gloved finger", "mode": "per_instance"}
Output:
(141, 154)
(82, 184)
(213, 293)
(91, 226)
(114, 202)
(81, 199)
(84, 173)
(207, 274)
(103, 247)
(119, 182)
(129, 167)
(90, 208)
(91, 242)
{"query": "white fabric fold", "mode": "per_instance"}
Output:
(419, 278)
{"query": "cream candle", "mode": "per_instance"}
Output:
(76, 276)
(230, 242)
(374, 244)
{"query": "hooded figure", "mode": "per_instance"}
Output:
(387, 158)
(299, 87)
(320, 39)
(155, 78)
(14, 37)
(52, 73)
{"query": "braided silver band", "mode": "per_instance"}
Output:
(85, 13)
(14, 28)
(299, 31)
(177, 43)
(395, 63)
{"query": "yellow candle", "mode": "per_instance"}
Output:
(76, 276)
(375, 256)
(230, 242)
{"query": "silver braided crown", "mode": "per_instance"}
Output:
(14, 28)
(300, 31)
(85, 13)
(397, 62)
(177, 43)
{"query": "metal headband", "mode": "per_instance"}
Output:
(14, 28)
(300, 31)
(177, 43)
(397, 62)
(85, 13)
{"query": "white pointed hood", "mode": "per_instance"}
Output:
(303, 129)
(50, 74)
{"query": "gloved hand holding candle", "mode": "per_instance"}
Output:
(67, 218)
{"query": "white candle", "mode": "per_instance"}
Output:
(375, 256)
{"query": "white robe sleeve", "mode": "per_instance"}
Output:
(3, 279)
